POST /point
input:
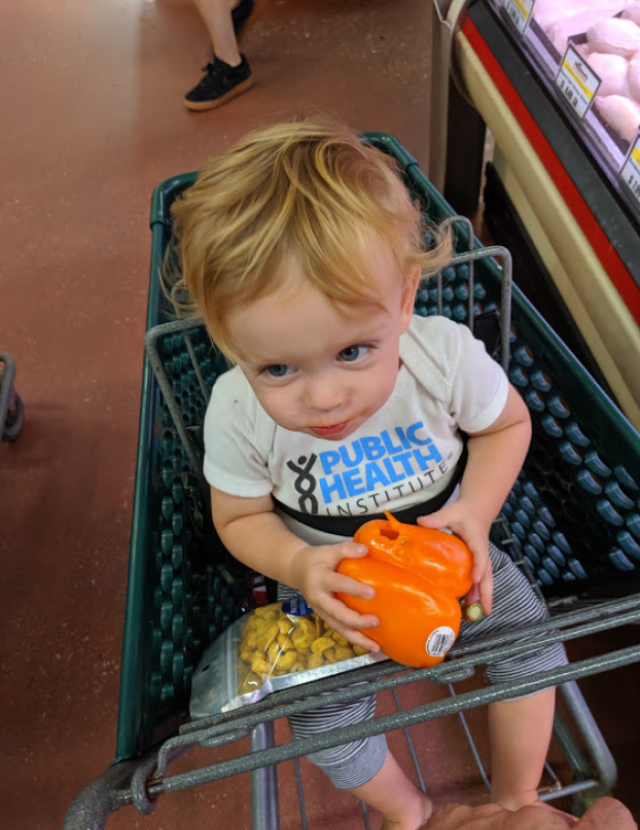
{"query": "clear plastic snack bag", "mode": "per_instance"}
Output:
(271, 648)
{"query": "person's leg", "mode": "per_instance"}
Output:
(520, 729)
(229, 75)
(402, 804)
(216, 15)
(242, 11)
(520, 732)
(364, 767)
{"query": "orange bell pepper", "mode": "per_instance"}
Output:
(418, 575)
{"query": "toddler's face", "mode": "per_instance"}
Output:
(319, 369)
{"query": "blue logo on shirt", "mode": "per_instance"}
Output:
(373, 463)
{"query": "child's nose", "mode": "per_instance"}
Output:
(323, 394)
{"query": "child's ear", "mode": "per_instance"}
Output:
(411, 283)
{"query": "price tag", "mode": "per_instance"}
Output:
(519, 12)
(630, 170)
(577, 82)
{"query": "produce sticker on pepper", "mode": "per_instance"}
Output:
(440, 641)
(577, 82)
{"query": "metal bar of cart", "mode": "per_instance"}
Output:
(382, 724)
(149, 779)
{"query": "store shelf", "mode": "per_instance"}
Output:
(608, 149)
(559, 181)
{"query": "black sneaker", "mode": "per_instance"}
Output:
(220, 84)
(241, 14)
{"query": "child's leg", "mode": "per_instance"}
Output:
(364, 767)
(520, 729)
(401, 803)
(520, 733)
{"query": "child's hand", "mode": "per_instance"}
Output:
(313, 573)
(470, 523)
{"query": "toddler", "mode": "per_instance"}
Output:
(303, 251)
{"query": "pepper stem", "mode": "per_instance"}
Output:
(392, 520)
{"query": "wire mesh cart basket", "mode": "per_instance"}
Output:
(571, 523)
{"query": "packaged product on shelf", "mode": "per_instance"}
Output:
(622, 115)
(614, 36)
(613, 73)
(560, 32)
(550, 13)
(632, 12)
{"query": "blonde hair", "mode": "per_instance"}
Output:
(304, 190)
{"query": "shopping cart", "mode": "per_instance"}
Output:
(571, 522)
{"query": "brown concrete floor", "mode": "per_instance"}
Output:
(92, 120)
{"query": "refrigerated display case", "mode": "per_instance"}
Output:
(569, 178)
(584, 52)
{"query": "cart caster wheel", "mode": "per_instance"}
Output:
(14, 420)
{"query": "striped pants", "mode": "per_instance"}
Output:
(514, 604)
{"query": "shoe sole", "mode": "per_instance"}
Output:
(200, 106)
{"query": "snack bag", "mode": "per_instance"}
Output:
(277, 641)
(271, 648)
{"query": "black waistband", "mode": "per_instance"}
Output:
(347, 525)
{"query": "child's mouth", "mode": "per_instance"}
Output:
(330, 432)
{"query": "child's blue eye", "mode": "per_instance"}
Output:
(278, 370)
(352, 353)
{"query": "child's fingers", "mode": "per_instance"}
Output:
(473, 595)
(353, 635)
(485, 590)
(346, 616)
(435, 521)
(347, 550)
(358, 639)
(478, 544)
(481, 574)
(348, 585)
(481, 592)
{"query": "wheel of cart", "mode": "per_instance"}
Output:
(571, 522)
(11, 407)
